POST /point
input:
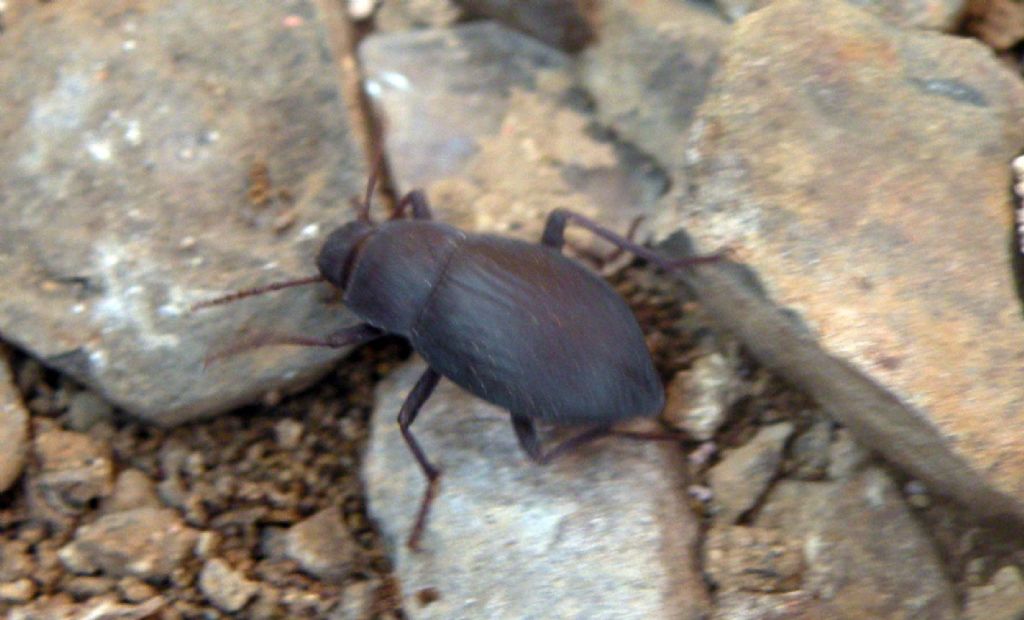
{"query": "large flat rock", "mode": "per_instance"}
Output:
(153, 154)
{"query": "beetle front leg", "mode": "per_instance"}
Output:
(420, 206)
(410, 408)
(353, 335)
(554, 236)
(526, 433)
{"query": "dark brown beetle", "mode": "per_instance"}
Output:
(517, 324)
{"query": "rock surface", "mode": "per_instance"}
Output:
(601, 533)
(517, 149)
(146, 165)
(1000, 599)
(865, 555)
(13, 427)
(837, 192)
(148, 543)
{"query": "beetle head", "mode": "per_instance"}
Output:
(339, 251)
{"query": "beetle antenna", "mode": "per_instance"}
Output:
(249, 292)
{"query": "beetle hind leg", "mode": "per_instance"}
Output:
(526, 433)
(406, 416)
(419, 203)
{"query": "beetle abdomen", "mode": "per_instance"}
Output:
(524, 327)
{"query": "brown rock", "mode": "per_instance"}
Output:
(225, 587)
(322, 545)
(838, 194)
(74, 469)
(13, 427)
(753, 559)
(148, 543)
(743, 474)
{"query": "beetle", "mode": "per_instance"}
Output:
(517, 324)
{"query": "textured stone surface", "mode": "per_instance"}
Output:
(825, 154)
(649, 70)
(13, 427)
(481, 118)
(865, 555)
(147, 164)
(698, 400)
(601, 533)
(928, 14)
(148, 543)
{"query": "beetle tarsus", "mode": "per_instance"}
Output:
(406, 416)
(554, 236)
(419, 203)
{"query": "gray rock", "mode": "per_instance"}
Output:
(743, 474)
(567, 24)
(86, 410)
(650, 68)
(601, 533)
(148, 543)
(810, 451)
(698, 400)
(73, 470)
(865, 554)
(1000, 599)
(129, 161)
(13, 428)
(825, 193)
(478, 116)
(322, 545)
(927, 14)
(225, 587)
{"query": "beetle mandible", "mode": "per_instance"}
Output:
(517, 324)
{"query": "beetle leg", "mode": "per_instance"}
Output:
(352, 335)
(410, 408)
(526, 433)
(554, 236)
(420, 206)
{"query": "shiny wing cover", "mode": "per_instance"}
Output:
(524, 327)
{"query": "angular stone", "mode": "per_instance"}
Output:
(13, 427)
(515, 149)
(147, 165)
(225, 587)
(864, 552)
(322, 545)
(839, 193)
(148, 543)
(604, 532)
(743, 474)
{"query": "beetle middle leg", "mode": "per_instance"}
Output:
(406, 416)
(554, 236)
